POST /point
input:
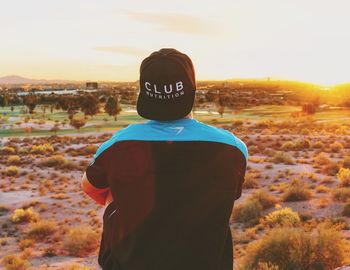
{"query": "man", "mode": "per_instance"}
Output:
(170, 183)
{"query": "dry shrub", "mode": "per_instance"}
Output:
(250, 180)
(284, 216)
(24, 215)
(248, 212)
(321, 159)
(346, 163)
(88, 149)
(288, 146)
(42, 149)
(302, 144)
(26, 243)
(7, 150)
(341, 194)
(14, 262)
(344, 177)
(296, 191)
(58, 162)
(295, 248)
(54, 161)
(266, 200)
(252, 207)
(330, 169)
(322, 189)
(336, 147)
(41, 229)
(318, 145)
(11, 171)
(13, 160)
(282, 157)
(80, 241)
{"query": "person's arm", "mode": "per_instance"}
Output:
(94, 182)
(99, 195)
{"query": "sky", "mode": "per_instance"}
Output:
(306, 40)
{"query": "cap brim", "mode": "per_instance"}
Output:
(149, 109)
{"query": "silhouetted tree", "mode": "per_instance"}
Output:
(77, 123)
(112, 107)
(4, 100)
(55, 128)
(89, 105)
(309, 108)
(30, 101)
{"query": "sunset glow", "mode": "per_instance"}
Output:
(107, 40)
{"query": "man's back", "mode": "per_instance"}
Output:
(173, 185)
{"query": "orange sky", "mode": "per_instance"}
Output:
(107, 40)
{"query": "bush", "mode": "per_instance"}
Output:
(344, 177)
(266, 200)
(296, 191)
(14, 262)
(8, 150)
(26, 243)
(89, 149)
(59, 162)
(336, 147)
(11, 171)
(281, 157)
(288, 146)
(318, 145)
(321, 159)
(54, 161)
(41, 229)
(24, 215)
(248, 212)
(330, 169)
(285, 216)
(250, 181)
(295, 248)
(322, 189)
(80, 241)
(302, 144)
(341, 194)
(14, 160)
(346, 163)
(42, 149)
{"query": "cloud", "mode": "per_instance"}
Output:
(175, 22)
(122, 50)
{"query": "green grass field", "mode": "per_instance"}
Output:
(104, 123)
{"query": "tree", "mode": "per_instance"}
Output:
(4, 100)
(55, 128)
(112, 107)
(30, 101)
(77, 123)
(70, 104)
(223, 100)
(221, 110)
(309, 108)
(89, 105)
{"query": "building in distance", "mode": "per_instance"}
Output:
(91, 85)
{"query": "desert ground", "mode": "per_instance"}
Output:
(296, 192)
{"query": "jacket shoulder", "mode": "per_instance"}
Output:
(226, 136)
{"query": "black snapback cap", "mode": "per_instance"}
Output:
(167, 86)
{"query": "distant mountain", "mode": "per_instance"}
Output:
(14, 79)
